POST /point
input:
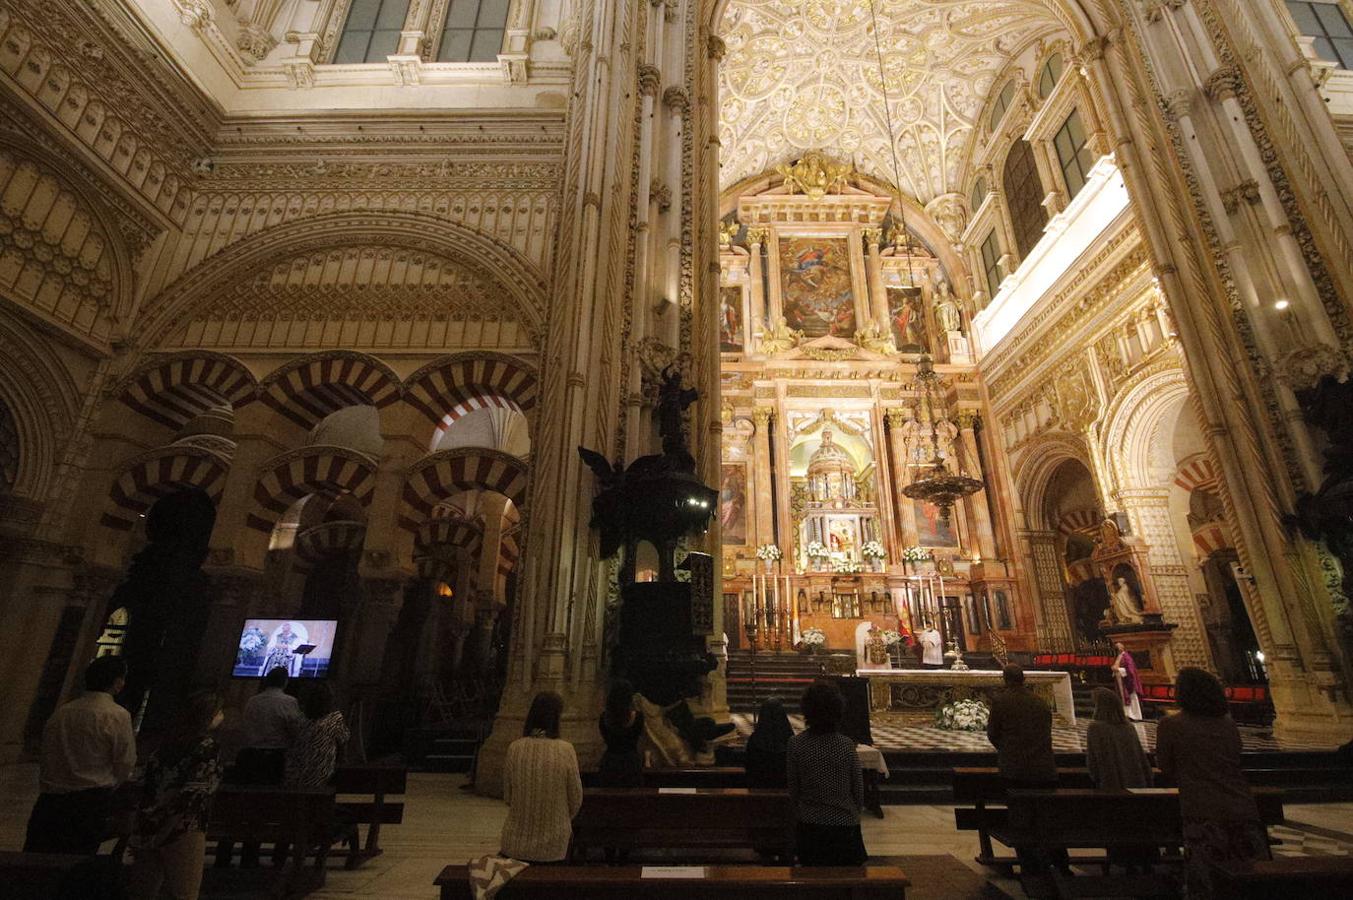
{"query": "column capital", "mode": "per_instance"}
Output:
(898, 416)
(757, 234)
(762, 415)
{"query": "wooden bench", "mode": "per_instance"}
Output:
(740, 882)
(718, 818)
(1111, 820)
(982, 786)
(302, 818)
(694, 776)
(44, 876)
(1311, 876)
(379, 783)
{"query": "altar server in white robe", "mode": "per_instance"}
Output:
(932, 649)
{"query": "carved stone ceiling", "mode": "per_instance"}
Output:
(803, 75)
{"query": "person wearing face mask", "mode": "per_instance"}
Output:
(170, 840)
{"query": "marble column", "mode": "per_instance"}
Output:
(976, 508)
(878, 292)
(762, 473)
(906, 519)
(762, 317)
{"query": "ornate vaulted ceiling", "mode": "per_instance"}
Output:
(803, 75)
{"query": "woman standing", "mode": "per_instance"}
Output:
(542, 787)
(1112, 750)
(621, 727)
(1199, 749)
(826, 784)
(169, 843)
(1129, 683)
(768, 747)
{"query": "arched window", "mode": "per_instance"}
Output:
(1073, 153)
(474, 31)
(991, 262)
(1024, 197)
(1050, 75)
(1001, 104)
(371, 32)
(1325, 21)
(979, 195)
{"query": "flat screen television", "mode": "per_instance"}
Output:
(301, 646)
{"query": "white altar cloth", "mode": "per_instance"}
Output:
(1060, 683)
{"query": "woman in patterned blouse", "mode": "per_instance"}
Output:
(311, 760)
(826, 784)
(171, 824)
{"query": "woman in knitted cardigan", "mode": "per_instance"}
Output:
(542, 787)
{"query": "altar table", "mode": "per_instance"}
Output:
(904, 690)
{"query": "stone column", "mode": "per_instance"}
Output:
(762, 475)
(979, 514)
(878, 291)
(906, 519)
(756, 277)
(783, 515)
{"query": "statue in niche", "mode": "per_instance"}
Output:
(779, 337)
(1125, 605)
(947, 312)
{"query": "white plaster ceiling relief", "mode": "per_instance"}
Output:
(803, 75)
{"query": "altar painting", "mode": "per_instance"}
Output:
(730, 319)
(733, 505)
(817, 297)
(931, 529)
(906, 318)
(843, 538)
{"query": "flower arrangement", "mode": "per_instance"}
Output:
(253, 640)
(817, 550)
(890, 637)
(873, 550)
(813, 637)
(916, 554)
(846, 567)
(769, 552)
(963, 715)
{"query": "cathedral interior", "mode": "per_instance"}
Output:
(1030, 320)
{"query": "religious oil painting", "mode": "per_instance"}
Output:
(817, 295)
(931, 529)
(730, 319)
(733, 504)
(906, 318)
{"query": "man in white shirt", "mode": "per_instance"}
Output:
(272, 719)
(88, 749)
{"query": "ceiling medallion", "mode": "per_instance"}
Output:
(937, 484)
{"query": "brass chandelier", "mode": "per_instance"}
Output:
(936, 483)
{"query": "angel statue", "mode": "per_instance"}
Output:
(874, 338)
(780, 337)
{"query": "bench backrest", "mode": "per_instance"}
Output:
(1312, 876)
(269, 814)
(987, 785)
(714, 807)
(386, 780)
(1092, 816)
(742, 882)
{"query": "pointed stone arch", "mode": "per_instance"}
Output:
(172, 388)
(518, 284)
(157, 474)
(442, 474)
(306, 390)
(286, 478)
(1132, 420)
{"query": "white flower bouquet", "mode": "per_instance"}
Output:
(769, 552)
(891, 637)
(846, 567)
(813, 637)
(916, 554)
(873, 550)
(963, 715)
(817, 550)
(253, 640)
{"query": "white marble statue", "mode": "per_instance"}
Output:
(1125, 610)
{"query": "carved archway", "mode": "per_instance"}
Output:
(306, 390)
(440, 475)
(170, 389)
(157, 474)
(287, 478)
(448, 388)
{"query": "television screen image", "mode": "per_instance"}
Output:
(301, 646)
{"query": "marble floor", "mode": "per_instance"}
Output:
(445, 824)
(895, 733)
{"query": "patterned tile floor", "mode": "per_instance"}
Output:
(896, 734)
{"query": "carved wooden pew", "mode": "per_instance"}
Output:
(696, 819)
(732, 882)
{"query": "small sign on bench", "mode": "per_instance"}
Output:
(673, 872)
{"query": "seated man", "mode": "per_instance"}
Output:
(272, 719)
(88, 749)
